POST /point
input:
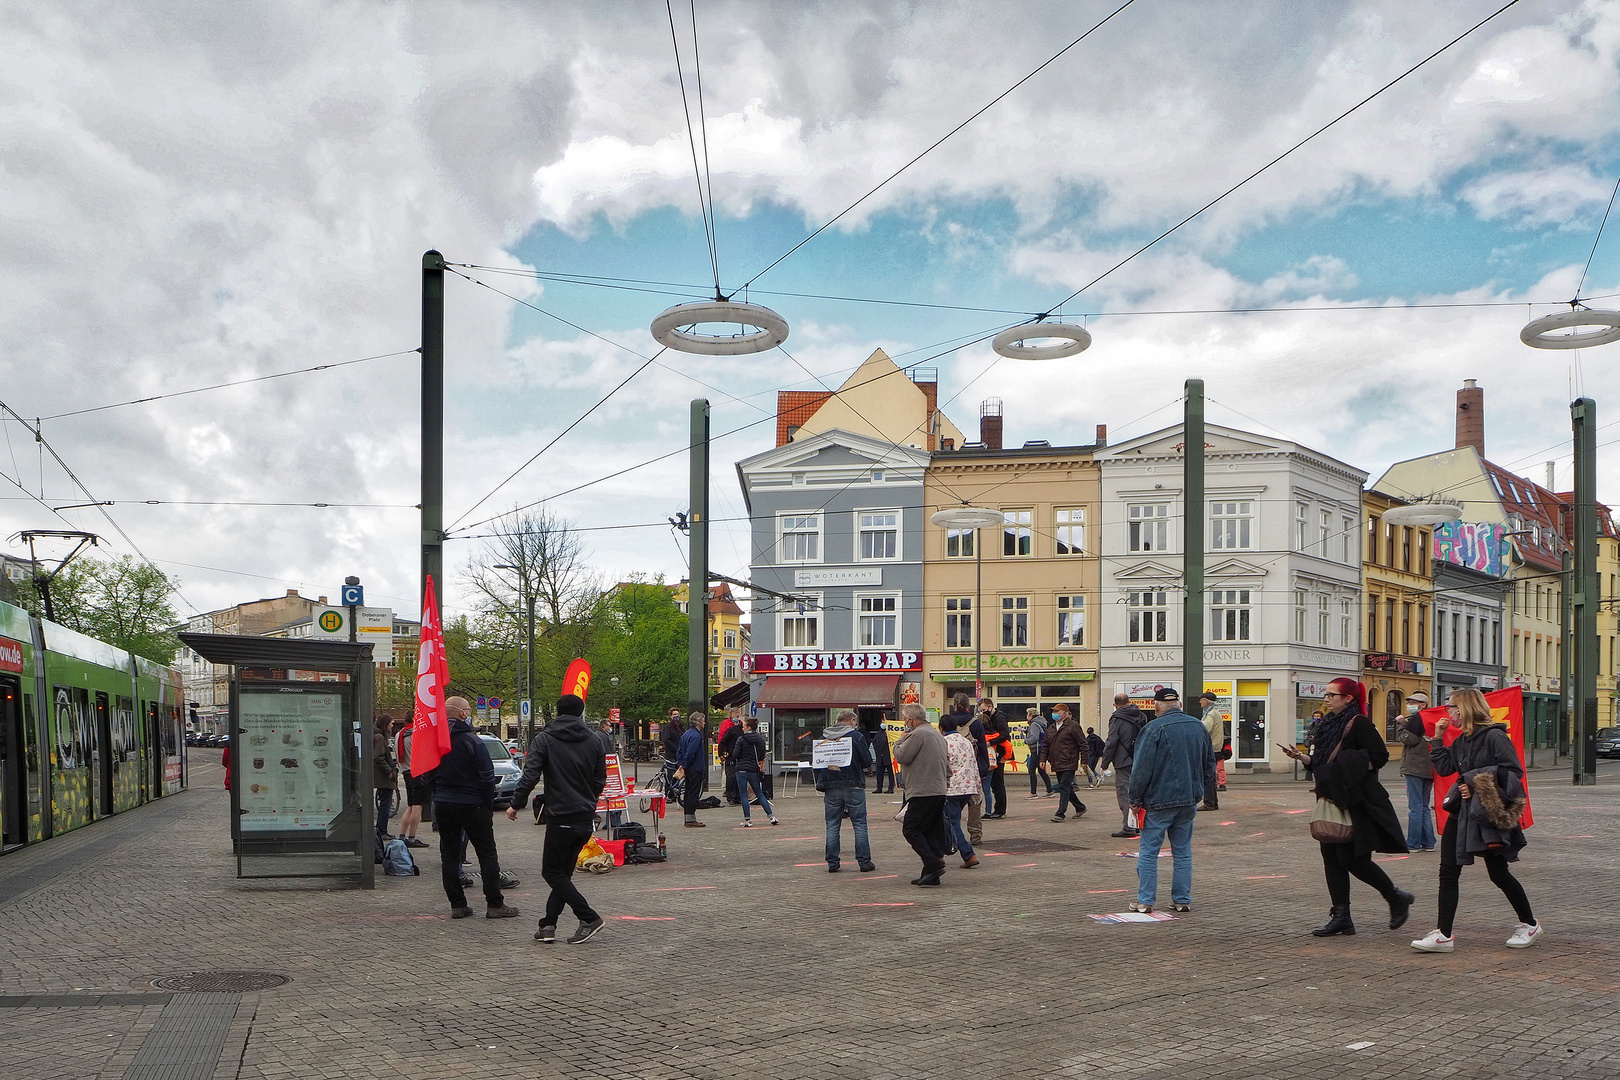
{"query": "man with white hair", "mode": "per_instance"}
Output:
(925, 759)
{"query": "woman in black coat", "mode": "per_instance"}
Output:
(1350, 779)
(1482, 815)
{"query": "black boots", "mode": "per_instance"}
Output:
(1400, 905)
(1339, 924)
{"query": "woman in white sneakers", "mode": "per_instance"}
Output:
(1483, 815)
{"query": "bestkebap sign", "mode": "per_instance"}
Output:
(785, 663)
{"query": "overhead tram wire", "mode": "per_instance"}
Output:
(1595, 239)
(691, 138)
(703, 125)
(1094, 281)
(831, 221)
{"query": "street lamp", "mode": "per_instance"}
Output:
(1423, 513)
(526, 598)
(976, 518)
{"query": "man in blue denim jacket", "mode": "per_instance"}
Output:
(1173, 763)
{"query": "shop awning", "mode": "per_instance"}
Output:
(735, 694)
(826, 691)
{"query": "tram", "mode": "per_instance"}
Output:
(87, 730)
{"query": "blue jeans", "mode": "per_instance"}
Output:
(953, 825)
(989, 795)
(756, 781)
(1419, 812)
(1177, 821)
(385, 809)
(835, 802)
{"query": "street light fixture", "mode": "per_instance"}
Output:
(976, 518)
(1423, 513)
(770, 329)
(1013, 343)
(1538, 334)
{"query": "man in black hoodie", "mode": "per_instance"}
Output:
(463, 800)
(1123, 728)
(573, 761)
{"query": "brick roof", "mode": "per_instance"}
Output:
(794, 408)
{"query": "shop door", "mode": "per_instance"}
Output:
(101, 758)
(1251, 729)
(13, 825)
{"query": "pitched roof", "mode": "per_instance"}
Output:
(794, 407)
(1538, 508)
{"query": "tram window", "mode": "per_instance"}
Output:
(125, 744)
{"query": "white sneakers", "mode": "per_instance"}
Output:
(1524, 935)
(1434, 941)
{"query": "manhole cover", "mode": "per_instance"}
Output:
(218, 982)
(1021, 846)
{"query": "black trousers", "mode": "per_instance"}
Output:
(1212, 800)
(998, 789)
(885, 771)
(455, 819)
(564, 838)
(924, 830)
(1339, 862)
(691, 793)
(1495, 865)
(730, 770)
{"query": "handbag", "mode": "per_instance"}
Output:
(1330, 823)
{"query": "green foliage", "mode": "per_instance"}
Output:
(120, 601)
(641, 638)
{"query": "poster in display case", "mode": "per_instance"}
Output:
(291, 769)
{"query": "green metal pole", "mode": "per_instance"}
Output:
(1561, 717)
(433, 424)
(697, 593)
(1192, 483)
(1583, 416)
(528, 675)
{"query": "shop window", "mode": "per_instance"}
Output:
(1070, 528)
(1071, 621)
(1229, 615)
(1016, 692)
(959, 622)
(1147, 526)
(1017, 536)
(959, 543)
(1149, 616)
(1065, 690)
(1231, 526)
(879, 622)
(801, 538)
(1015, 622)
(880, 534)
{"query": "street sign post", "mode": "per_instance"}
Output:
(353, 595)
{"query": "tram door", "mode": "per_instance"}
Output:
(101, 758)
(154, 751)
(13, 822)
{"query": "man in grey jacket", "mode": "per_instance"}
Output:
(1124, 727)
(1172, 763)
(924, 760)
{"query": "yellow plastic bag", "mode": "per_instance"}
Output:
(594, 857)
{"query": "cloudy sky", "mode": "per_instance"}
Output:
(198, 193)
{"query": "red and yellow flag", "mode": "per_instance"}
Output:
(577, 679)
(430, 731)
(1507, 706)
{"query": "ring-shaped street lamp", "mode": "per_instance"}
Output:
(770, 329)
(1012, 342)
(1434, 513)
(966, 517)
(1537, 334)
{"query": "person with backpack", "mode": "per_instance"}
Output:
(1123, 728)
(748, 761)
(841, 779)
(573, 762)
(463, 802)
(1034, 742)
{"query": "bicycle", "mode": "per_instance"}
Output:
(665, 783)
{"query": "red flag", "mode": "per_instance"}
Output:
(430, 731)
(1507, 706)
(577, 679)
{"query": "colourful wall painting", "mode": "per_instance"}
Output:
(1474, 544)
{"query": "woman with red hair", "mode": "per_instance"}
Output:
(1346, 757)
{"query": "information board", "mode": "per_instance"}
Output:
(290, 774)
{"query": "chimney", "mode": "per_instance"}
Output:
(1102, 434)
(292, 592)
(990, 423)
(320, 600)
(1471, 417)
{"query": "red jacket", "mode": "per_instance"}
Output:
(225, 760)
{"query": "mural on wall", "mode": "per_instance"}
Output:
(1473, 544)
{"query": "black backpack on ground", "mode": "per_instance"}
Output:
(633, 831)
(644, 853)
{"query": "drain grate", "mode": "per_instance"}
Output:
(1021, 846)
(218, 982)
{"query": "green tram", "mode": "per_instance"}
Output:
(87, 730)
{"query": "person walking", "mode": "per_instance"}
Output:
(842, 783)
(1171, 765)
(692, 759)
(1482, 815)
(1209, 712)
(1065, 746)
(1124, 728)
(998, 741)
(1094, 749)
(463, 802)
(1034, 740)
(925, 762)
(882, 760)
(384, 772)
(1345, 759)
(748, 753)
(726, 739)
(1417, 766)
(967, 723)
(959, 786)
(979, 735)
(572, 759)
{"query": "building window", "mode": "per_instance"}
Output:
(1150, 616)
(1231, 526)
(1389, 544)
(877, 476)
(1346, 630)
(1496, 644)
(1389, 624)
(731, 669)
(880, 534)
(1229, 615)
(801, 538)
(1406, 547)
(1148, 526)
(959, 622)
(1456, 629)
(1423, 554)
(731, 639)
(1347, 541)
(878, 621)
(1423, 632)
(1071, 621)
(1372, 541)
(1468, 640)
(1406, 628)
(798, 477)
(959, 543)
(1324, 529)
(801, 626)
(1322, 603)
(1017, 537)
(1015, 622)
(1071, 531)
(1372, 623)
(1301, 527)
(1299, 615)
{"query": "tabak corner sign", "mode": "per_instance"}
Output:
(783, 663)
(11, 655)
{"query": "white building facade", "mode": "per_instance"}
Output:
(1282, 604)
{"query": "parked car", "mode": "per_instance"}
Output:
(1608, 742)
(507, 771)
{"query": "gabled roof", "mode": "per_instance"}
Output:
(1605, 516)
(1536, 506)
(805, 447)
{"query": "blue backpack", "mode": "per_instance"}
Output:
(397, 861)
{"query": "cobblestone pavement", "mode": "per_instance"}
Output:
(743, 957)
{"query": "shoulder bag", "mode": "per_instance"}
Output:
(1330, 824)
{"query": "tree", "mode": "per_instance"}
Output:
(641, 638)
(120, 601)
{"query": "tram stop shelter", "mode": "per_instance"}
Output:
(300, 742)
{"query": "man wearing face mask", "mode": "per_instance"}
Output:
(1417, 768)
(1065, 746)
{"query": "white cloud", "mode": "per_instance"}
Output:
(1560, 195)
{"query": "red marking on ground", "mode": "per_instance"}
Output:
(908, 903)
(1226, 823)
(991, 854)
(1264, 877)
(1585, 837)
(1021, 865)
(1252, 835)
(1392, 858)
(779, 839)
(1094, 892)
(880, 877)
(1296, 811)
(644, 918)
(687, 888)
(807, 864)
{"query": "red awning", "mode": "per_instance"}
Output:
(825, 691)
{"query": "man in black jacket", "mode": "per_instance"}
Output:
(1123, 728)
(573, 761)
(463, 800)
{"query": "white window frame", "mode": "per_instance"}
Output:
(862, 529)
(1348, 540)
(1148, 617)
(783, 518)
(1069, 530)
(731, 639)
(1323, 603)
(967, 540)
(1020, 620)
(1346, 630)
(730, 665)
(962, 610)
(1139, 517)
(890, 613)
(1231, 615)
(1302, 524)
(1301, 599)
(812, 615)
(1071, 621)
(1018, 525)
(1324, 530)
(1232, 520)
